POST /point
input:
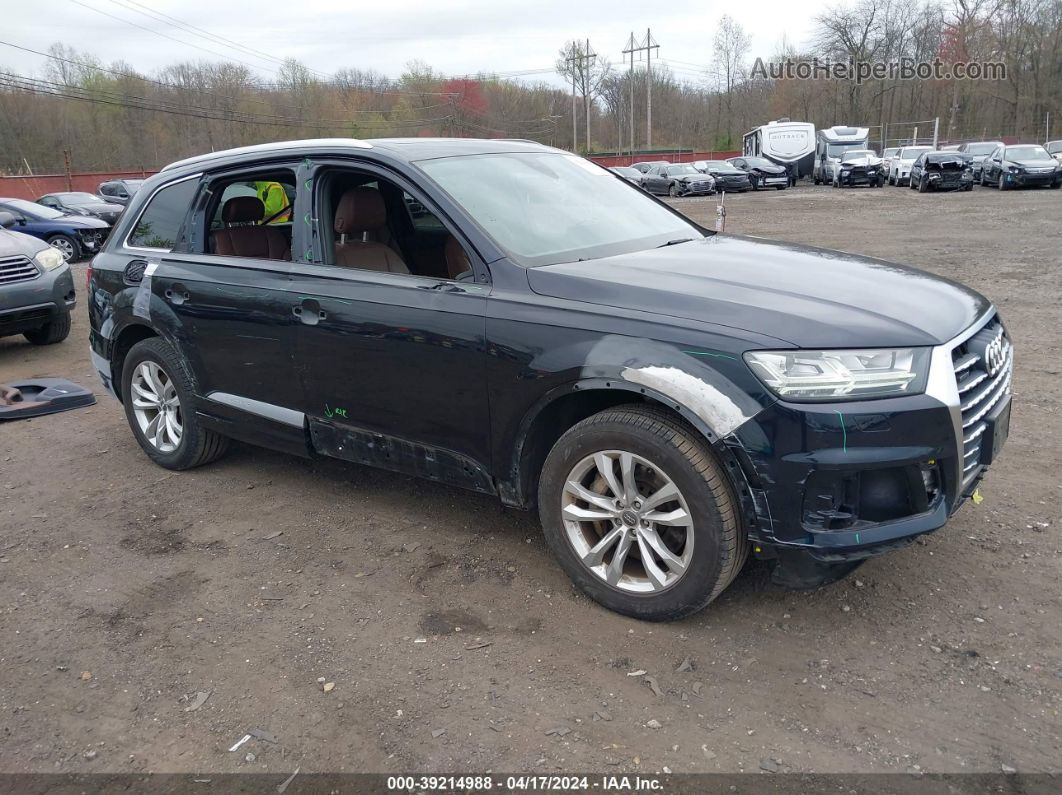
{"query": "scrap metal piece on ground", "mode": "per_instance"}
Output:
(37, 397)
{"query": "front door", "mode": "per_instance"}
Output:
(391, 354)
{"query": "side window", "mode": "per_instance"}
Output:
(161, 220)
(370, 223)
(250, 216)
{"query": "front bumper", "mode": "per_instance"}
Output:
(28, 305)
(773, 180)
(1028, 180)
(698, 189)
(859, 177)
(837, 483)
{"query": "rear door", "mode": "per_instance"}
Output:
(228, 312)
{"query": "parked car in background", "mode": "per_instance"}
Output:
(645, 165)
(75, 236)
(628, 173)
(887, 156)
(36, 288)
(81, 203)
(979, 150)
(671, 400)
(762, 172)
(1054, 148)
(679, 179)
(941, 170)
(119, 191)
(859, 167)
(727, 176)
(900, 168)
(1021, 166)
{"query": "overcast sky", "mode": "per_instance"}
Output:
(453, 36)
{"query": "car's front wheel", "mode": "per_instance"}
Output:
(673, 191)
(55, 330)
(639, 514)
(158, 394)
(66, 246)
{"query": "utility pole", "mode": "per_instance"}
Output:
(577, 59)
(936, 129)
(647, 46)
(630, 50)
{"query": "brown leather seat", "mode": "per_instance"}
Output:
(361, 213)
(250, 239)
(456, 258)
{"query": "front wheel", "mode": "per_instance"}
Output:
(158, 395)
(66, 246)
(1002, 184)
(55, 330)
(639, 514)
(923, 185)
(673, 191)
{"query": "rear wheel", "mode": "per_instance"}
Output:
(158, 394)
(56, 330)
(638, 513)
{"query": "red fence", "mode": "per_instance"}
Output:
(674, 157)
(34, 187)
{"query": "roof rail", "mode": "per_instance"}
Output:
(353, 143)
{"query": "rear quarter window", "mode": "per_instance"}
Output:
(161, 220)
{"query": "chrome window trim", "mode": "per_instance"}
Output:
(125, 242)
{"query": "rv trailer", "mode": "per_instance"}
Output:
(790, 144)
(830, 147)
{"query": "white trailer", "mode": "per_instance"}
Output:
(790, 144)
(830, 147)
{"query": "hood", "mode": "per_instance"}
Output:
(727, 172)
(82, 221)
(808, 297)
(695, 177)
(1045, 164)
(15, 244)
(102, 207)
(768, 169)
(862, 160)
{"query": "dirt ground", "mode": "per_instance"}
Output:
(453, 641)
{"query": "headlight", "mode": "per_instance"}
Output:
(841, 375)
(49, 259)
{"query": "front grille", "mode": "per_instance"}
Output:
(982, 385)
(17, 269)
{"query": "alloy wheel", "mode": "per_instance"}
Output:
(64, 246)
(157, 407)
(627, 521)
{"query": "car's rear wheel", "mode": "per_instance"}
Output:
(639, 514)
(158, 393)
(66, 246)
(55, 330)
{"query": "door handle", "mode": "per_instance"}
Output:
(443, 287)
(309, 312)
(177, 295)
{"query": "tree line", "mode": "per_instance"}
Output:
(112, 117)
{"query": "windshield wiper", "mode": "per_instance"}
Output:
(676, 242)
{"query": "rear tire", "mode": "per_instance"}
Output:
(56, 330)
(658, 446)
(196, 445)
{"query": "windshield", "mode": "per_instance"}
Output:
(981, 149)
(912, 152)
(79, 198)
(722, 165)
(132, 185)
(758, 162)
(33, 209)
(1027, 153)
(836, 150)
(545, 208)
(889, 152)
(1054, 147)
(626, 171)
(675, 171)
(860, 153)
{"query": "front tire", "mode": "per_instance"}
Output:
(66, 245)
(673, 191)
(158, 394)
(55, 330)
(638, 512)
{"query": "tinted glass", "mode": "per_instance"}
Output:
(1054, 147)
(33, 210)
(158, 225)
(1027, 153)
(676, 171)
(981, 149)
(80, 198)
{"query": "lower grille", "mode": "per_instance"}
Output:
(17, 269)
(984, 366)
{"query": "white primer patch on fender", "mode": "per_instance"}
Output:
(718, 411)
(142, 298)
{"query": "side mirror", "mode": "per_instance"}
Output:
(7, 220)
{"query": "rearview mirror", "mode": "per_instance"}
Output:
(7, 220)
